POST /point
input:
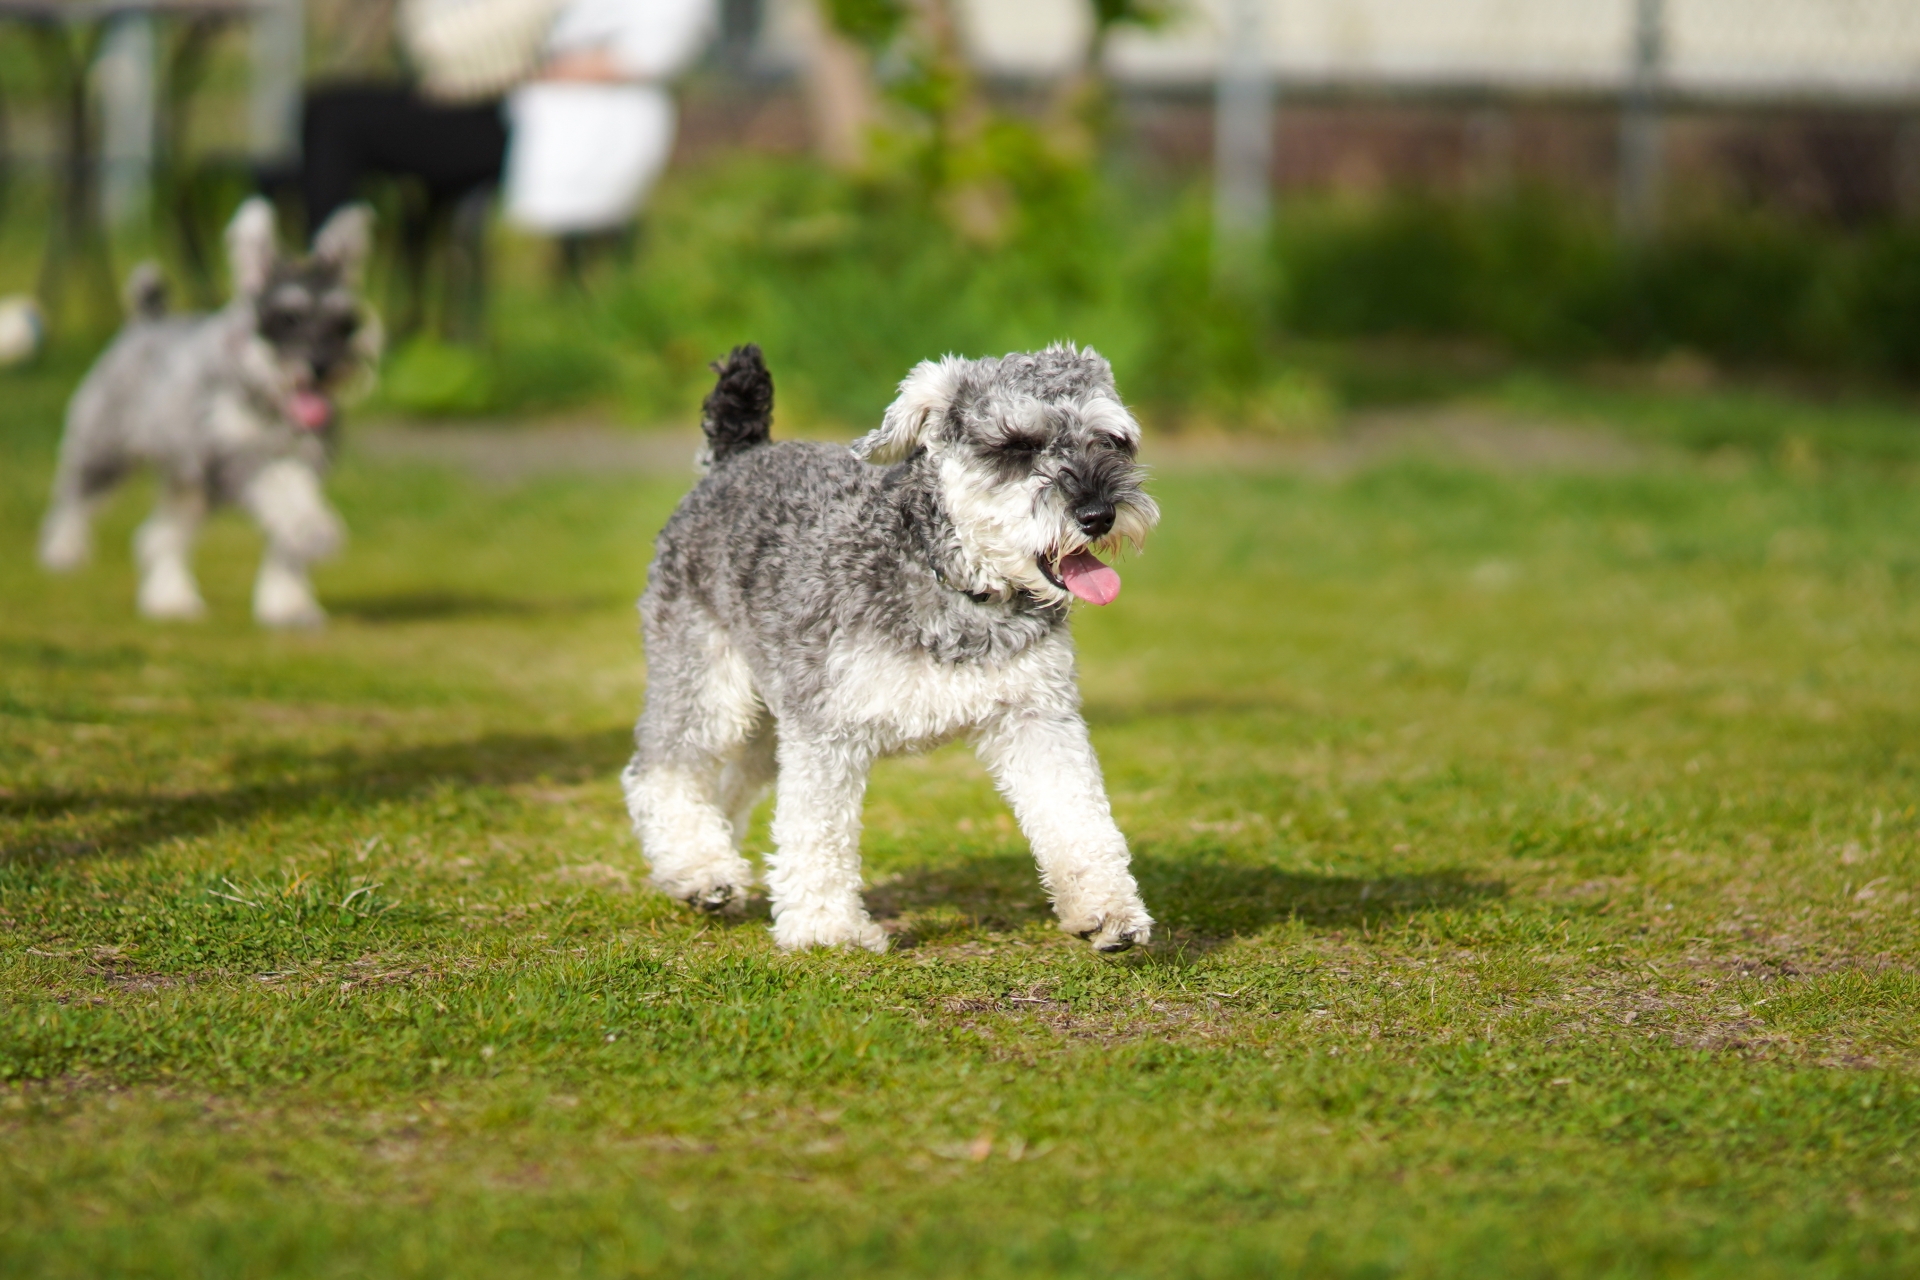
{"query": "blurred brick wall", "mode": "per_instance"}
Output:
(1844, 166)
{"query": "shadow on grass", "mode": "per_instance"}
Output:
(117, 823)
(1209, 897)
(1198, 901)
(441, 606)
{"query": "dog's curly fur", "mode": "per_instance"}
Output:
(812, 607)
(233, 407)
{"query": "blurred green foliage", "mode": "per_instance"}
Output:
(849, 281)
(872, 23)
(1539, 275)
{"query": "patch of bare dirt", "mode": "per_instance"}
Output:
(987, 1015)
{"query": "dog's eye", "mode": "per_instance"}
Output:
(1020, 446)
(343, 324)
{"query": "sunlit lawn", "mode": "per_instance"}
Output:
(1535, 853)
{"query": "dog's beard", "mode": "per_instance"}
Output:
(1018, 535)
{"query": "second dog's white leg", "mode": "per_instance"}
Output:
(283, 594)
(814, 873)
(163, 547)
(1046, 768)
(285, 500)
(66, 536)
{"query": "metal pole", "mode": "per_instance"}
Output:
(1638, 198)
(1242, 148)
(125, 77)
(278, 48)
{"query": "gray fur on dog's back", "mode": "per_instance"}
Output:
(147, 401)
(799, 540)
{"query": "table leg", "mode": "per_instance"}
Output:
(77, 238)
(175, 199)
(6, 154)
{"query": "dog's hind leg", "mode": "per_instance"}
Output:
(1046, 768)
(814, 873)
(285, 500)
(163, 548)
(84, 480)
(66, 535)
(693, 770)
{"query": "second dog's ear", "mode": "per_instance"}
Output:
(925, 396)
(346, 240)
(250, 246)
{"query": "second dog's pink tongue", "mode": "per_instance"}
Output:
(311, 409)
(1089, 579)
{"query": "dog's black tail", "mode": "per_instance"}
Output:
(738, 413)
(146, 293)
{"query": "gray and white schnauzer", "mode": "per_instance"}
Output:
(233, 407)
(812, 607)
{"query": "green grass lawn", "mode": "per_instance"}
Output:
(1535, 853)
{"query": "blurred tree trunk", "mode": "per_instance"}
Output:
(839, 89)
(1080, 113)
(977, 202)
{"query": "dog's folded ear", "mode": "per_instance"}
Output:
(925, 396)
(346, 240)
(250, 246)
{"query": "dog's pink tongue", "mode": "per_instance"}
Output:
(311, 409)
(1088, 578)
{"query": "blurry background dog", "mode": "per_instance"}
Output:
(812, 607)
(238, 407)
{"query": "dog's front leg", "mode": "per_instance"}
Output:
(285, 500)
(814, 872)
(1045, 767)
(163, 548)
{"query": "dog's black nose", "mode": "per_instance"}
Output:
(1095, 518)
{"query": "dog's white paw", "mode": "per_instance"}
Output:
(1121, 927)
(66, 542)
(168, 594)
(290, 615)
(283, 600)
(796, 929)
(721, 900)
(717, 888)
(1121, 934)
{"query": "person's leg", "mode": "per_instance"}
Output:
(352, 130)
(455, 149)
(337, 126)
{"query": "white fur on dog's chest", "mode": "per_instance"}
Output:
(912, 700)
(234, 423)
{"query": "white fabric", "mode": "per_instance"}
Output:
(581, 157)
(649, 39)
(472, 50)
